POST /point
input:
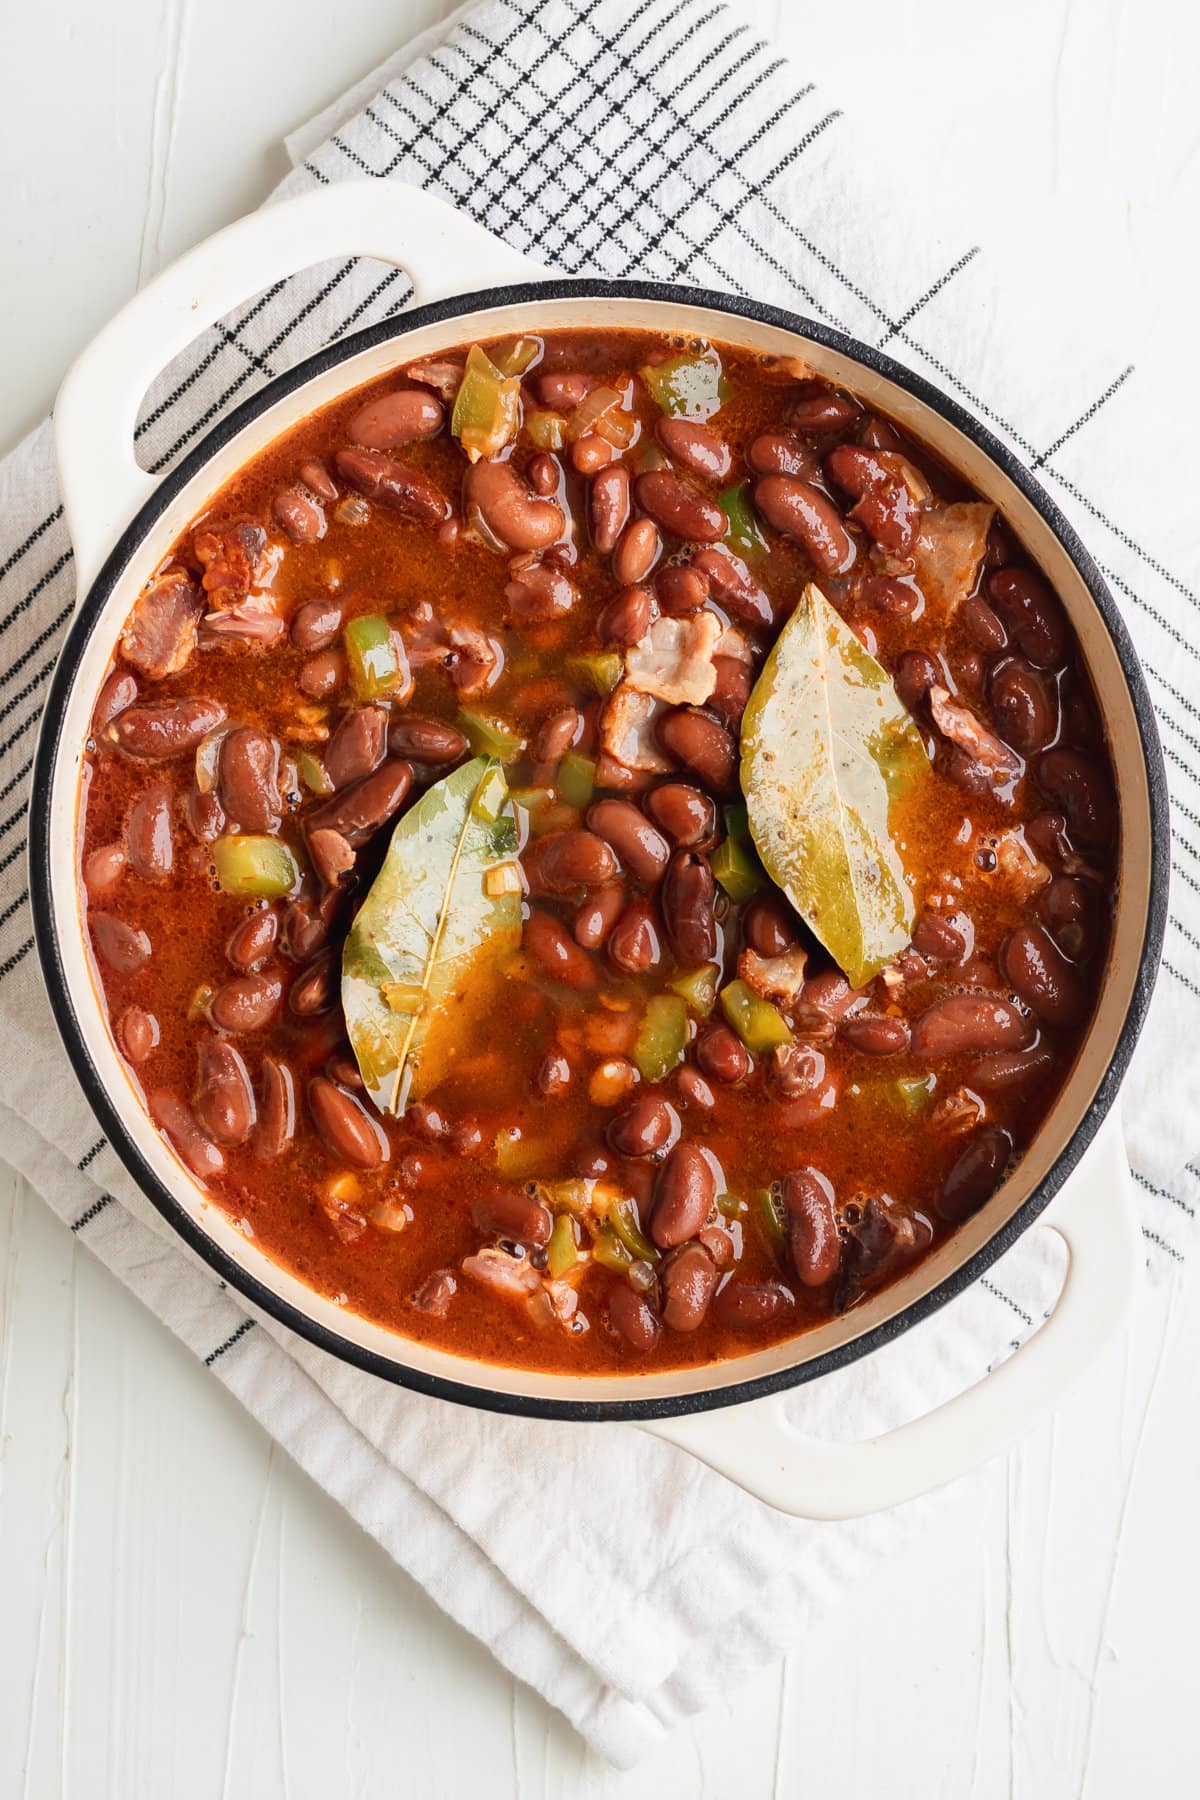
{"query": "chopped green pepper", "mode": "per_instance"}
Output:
(730, 1206)
(599, 670)
(547, 430)
(623, 1220)
(688, 387)
(698, 987)
(533, 800)
(490, 737)
(575, 1196)
(486, 408)
(562, 1252)
(313, 773)
(737, 820)
(610, 1252)
(375, 671)
(771, 1216)
(661, 1038)
(576, 779)
(741, 530)
(738, 869)
(261, 867)
(759, 1024)
(911, 1093)
(515, 357)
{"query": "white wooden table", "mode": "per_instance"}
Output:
(184, 1616)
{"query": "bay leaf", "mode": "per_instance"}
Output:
(429, 930)
(828, 750)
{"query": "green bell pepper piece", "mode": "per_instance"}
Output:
(697, 987)
(687, 387)
(759, 1024)
(263, 868)
(375, 671)
(661, 1038)
(486, 408)
(738, 869)
(623, 1220)
(562, 1252)
(576, 779)
(741, 529)
(490, 737)
(599, 670)
(610, 1252)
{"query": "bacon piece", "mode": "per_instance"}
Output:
(674, 661)
(774, 977)
(160, 634)
(959, 724)
(627, 730)
(948, 551)
(235, 559)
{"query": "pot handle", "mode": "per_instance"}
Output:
(442, 251)
(756, 1446)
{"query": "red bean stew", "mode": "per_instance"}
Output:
(598, 850)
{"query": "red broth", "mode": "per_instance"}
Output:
(667, 1131)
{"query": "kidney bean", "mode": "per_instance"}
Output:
(125, 948)
(343, 1126)
(633, 1318)
(645, 1127)
(1046, 835)
(683, 1196)
(304, 931)
(331, 855)
(884, 505)
(702, 746)
(357, 747)
(563, 389)
(196, 1151)
(509, 509)
(138, 1033)
(745, 1305)
(561, 958)
(1032, 615)
(687, 898)
(224, 1100)
(515, 1216)
(895, 594)
(345, 1071)
(118, 692)
(941, 939)
(801, 512)
(277, 1110)
(982, 625)
(1024, 707)
(246, 1003)
(633, 942)
(103, 870)
(298, 516)
(359, 811)
(156, 733)
(829, 994)
(543, 475)
(248, 779)
(597, 915)
(149, 837)
(975, 1176)
(1080, 787)
(203, 815)
(874, 1034)
(732, 586)
(625, 619)
(322, 674)
(815, 1244)
(315, 988)
(769, 925)
(695, 445)
(1008, 1069)
(401, 490)
(782, 453)
(1036, 968)
(717, 1241)
(404, 417)
(687, 1279)
(553, 1075)
(253, 940)
(963, 1022)
(722, 1054)
(693, 1090)
(643, 849)
(682, 589)
(686, 815)
(676, 506)
(915, 673)
(426, 741)
(821, 410)
(730, 696)
(637, 551)
(316, 624)
(608, 507)
(1065, 904)
(318, 480)
(590, 454)
(562, 861)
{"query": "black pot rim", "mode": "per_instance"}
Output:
(109, 1115)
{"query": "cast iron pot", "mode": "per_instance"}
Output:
(469, 285)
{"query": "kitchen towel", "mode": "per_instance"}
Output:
(662, 140)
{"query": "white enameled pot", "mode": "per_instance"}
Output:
(123, 521)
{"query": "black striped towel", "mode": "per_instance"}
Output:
(661, 140)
